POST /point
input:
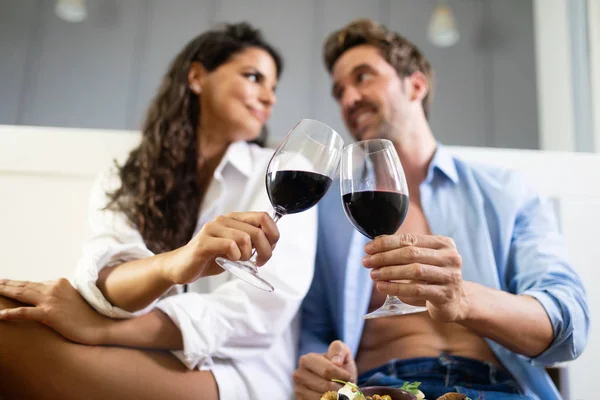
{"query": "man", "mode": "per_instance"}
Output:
(478, 247)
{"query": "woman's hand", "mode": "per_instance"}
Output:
(57, 305)
(232, 236)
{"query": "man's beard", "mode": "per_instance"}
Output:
(383, 130)
(386, 130)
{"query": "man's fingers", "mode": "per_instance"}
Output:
(417, 272)
(385, 243)
(338, 352)
(433, 293)
(323, 367)
(314, 383)
(304, 393)
(414, 255)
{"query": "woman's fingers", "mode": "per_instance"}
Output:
(23, 313)
(260, 220)
(258, 238)
(22, 292)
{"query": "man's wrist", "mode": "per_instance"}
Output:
(468, 306)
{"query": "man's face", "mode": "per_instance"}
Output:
(375, 102)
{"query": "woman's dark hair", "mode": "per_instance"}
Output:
(159, 191)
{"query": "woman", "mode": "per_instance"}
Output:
(159, 221)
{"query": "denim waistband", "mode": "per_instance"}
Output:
(445, 368)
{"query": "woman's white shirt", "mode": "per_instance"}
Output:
(246, 336)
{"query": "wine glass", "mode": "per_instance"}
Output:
(298, 176)
(375, 199)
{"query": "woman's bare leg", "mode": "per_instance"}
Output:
(38, 363)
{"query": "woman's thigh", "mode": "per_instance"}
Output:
(38, 363)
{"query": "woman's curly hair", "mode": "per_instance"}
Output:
(159, 191)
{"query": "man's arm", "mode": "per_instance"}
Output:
(432, 267)
(518, 323)
(547, 313)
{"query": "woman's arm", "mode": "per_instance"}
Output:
(136, 284)
(140, 277)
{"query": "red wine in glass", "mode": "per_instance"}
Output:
(375, 199)
(298, 176)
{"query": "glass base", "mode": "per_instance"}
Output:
(246, 271)
(393, 306)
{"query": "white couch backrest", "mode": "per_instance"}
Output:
(46, 175)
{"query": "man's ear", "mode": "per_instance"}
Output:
(418, 86)
(196, 77)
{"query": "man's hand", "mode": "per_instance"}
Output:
(428, 267)
(315, 371)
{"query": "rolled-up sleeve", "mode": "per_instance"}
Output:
(112, 241)
(539, 268)
(238, 321)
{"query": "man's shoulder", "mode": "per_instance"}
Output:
(494, 180)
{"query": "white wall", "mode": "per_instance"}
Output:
(594, 42)
(45, 178)
(553, 65)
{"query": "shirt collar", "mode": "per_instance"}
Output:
(443, 162)
(238, 156)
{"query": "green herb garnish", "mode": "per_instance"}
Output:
(411, 387)
(353, 386)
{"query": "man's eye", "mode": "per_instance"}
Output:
(364, 76)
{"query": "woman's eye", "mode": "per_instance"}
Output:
(253, 77)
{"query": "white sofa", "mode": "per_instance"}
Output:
(46, 174)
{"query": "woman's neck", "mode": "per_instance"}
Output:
(211, 146)
(210, 153)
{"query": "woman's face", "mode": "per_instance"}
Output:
(237, 97)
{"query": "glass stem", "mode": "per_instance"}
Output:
(392, 300)
(276, 217)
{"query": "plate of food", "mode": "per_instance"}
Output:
(408, 391)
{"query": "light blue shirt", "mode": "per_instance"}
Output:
(508, 238)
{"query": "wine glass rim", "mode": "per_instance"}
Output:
(337, 135)
(362, 142)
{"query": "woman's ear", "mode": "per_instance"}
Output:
(196, 76)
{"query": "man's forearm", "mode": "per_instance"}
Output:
(519, 323)
(154, 330)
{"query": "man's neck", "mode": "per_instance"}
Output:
(416, 151)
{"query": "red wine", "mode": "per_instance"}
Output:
(295, 191)
(376, 213)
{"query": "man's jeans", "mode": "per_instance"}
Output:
(476, 379)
